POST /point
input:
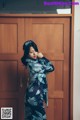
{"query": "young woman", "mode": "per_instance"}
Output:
(37, 89)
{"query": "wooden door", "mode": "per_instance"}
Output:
(52, 35)
(11, 40)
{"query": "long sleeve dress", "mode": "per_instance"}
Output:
(37, 89)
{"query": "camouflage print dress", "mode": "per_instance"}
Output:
(37, 91)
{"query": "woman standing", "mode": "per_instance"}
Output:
(37, 89)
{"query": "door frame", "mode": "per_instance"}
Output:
(72, 63)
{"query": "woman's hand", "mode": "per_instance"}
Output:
(40, 55)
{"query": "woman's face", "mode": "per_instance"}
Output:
(32, 53)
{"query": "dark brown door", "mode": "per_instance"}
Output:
(52, 36)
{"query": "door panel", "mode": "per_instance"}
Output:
(7, 39)
(8, 76)
(52, 35)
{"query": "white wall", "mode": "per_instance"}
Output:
(76, 83)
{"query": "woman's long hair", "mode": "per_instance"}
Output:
(26, 48)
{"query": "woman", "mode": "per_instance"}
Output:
(37, 89)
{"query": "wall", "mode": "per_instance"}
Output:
(76, 83)
(28, 6)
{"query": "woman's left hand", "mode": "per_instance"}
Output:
(40, 55)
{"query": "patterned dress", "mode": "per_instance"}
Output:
(37, 91)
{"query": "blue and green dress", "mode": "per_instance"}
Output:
(37, 90)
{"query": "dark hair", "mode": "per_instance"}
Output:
(26, 48)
